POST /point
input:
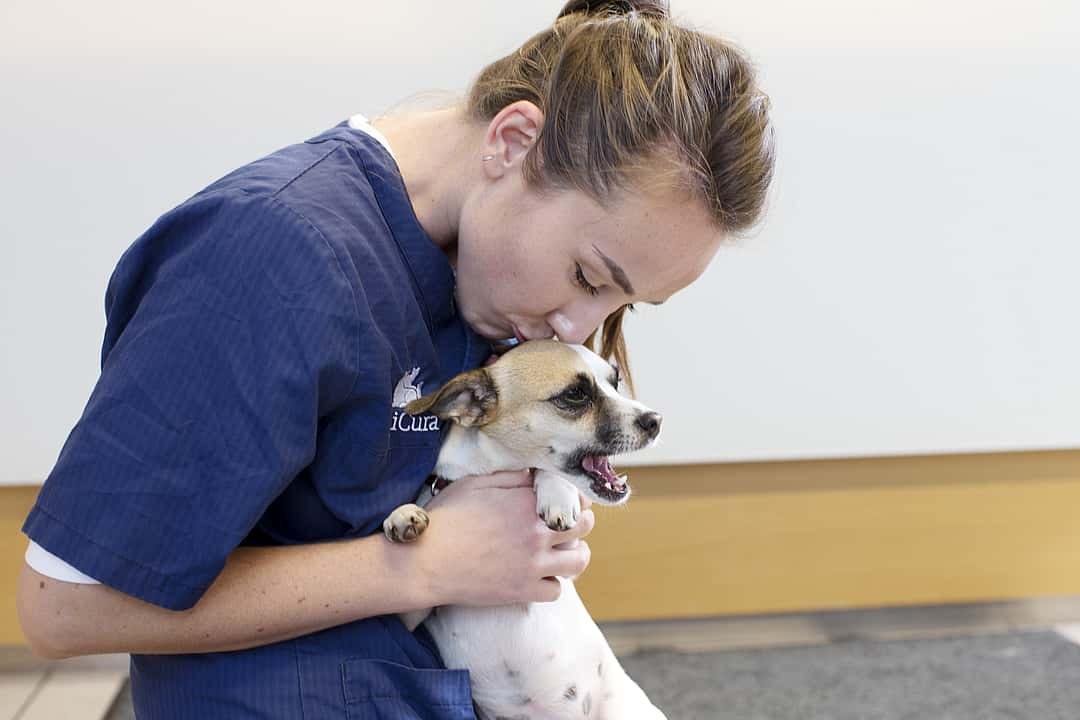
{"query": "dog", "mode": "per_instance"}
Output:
(555, 408)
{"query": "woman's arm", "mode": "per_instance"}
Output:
(264, 595)
(485, 546)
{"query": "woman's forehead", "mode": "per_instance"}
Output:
(653, 244)
(662, 210)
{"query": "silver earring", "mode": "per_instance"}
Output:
(485, 158)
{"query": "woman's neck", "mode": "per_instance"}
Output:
(436, 151)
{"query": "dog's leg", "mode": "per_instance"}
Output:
(557, 501)
(405, 524)
(408, 522)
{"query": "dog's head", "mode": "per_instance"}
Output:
(555, 407)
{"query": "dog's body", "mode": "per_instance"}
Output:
(554, 408)
(538, 661)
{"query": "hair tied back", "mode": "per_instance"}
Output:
(657, 8)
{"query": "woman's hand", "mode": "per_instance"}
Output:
(486, 545)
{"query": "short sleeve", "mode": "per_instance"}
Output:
(232, 329)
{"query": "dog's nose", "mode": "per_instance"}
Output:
(650, 423)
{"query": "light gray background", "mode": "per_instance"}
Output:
(913, 290)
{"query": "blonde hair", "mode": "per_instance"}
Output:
(625, 92)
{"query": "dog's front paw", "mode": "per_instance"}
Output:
(560, 516)
(557, 501)
(405, 524)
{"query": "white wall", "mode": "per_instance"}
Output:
(913, 290)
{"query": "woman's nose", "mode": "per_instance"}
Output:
(575, 324)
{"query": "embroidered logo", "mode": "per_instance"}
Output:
(405, 392)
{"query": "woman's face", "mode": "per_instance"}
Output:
(558, 264)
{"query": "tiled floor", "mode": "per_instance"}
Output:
(77, 689)
(86, 688)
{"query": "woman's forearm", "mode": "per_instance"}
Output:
(263, 595)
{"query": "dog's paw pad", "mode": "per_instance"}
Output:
(559, 519)
(405, 524)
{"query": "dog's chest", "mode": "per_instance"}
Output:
(545, 661)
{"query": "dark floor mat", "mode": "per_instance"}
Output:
(1019, 676)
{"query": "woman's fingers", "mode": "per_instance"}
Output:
(568, 562)
(486, 544)
(547, 590)
(585, 524)
(570, 554)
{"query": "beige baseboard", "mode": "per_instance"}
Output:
(15, 504)
(779, 537)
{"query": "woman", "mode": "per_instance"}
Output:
(216, 510)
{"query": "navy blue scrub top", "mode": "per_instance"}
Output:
(261, 341)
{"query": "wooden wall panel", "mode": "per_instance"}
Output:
(772, 537)
(752, 538)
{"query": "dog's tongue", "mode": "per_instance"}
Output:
(602, 466)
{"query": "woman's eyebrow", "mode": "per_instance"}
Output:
(619, 276)
(617, 273)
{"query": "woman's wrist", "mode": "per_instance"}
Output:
(408, 573)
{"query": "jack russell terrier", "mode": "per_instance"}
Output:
(555, 408)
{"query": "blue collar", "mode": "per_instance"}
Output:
(433, 277)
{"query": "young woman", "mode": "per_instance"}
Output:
(216, 511)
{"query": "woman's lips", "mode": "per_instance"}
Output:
(521, 337)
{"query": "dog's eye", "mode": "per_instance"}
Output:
(575, 396)
(573, 399)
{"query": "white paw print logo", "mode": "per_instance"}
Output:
(406, 392)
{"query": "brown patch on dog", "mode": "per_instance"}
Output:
(470, 398)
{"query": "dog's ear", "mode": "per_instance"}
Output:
(469, 399)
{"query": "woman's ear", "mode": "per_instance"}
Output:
(510, 135)
(469, 399)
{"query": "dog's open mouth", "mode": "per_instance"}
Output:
(605, 483)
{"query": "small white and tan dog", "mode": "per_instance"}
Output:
(555, 408)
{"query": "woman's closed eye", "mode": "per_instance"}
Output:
(579, 277)
(584, 284)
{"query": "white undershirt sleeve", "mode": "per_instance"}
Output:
(49, 565)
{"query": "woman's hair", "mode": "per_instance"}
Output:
(626, 93)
